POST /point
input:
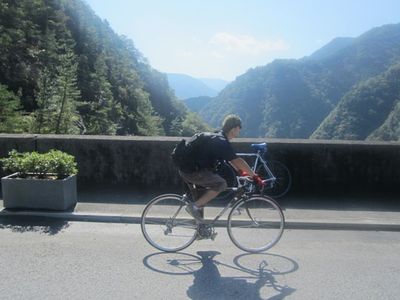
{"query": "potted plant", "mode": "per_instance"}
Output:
(39, 180)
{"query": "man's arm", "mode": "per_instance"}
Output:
(241, 164)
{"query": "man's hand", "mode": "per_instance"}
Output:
(243, 173)
(258, 180)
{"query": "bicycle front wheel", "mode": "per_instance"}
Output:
(256, 224)
(283, 180)
(166, 225)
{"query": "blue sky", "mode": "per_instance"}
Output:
(224, 38)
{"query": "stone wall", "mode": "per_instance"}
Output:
(144, 162)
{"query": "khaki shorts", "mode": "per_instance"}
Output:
(206, 179)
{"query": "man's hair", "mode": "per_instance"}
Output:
(231, 121)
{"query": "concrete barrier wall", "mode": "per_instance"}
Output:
(144, 162)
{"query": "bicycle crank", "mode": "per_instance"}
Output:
(206, 231)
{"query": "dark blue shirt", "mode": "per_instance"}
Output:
(216, 148)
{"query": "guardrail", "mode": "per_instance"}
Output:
(144, 162)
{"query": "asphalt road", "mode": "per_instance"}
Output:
(81, 260)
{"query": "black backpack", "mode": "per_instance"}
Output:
(188, 156)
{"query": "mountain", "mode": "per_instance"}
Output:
(186, 86)
(332, 47)
(71, 73)
(293, 98)
(364, 108)
(390, 129)
(215, 84)
(196, 104)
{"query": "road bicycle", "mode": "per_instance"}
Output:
(255, 222)
(276, 175)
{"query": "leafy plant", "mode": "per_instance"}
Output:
(41, 165)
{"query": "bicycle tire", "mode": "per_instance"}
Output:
(283, 180)
(255, 224)
(166, 225)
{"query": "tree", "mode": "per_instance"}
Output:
(10, 111)
(192, 124)
(148, 123)
(43, 115)
(102, 113)
(67, 94)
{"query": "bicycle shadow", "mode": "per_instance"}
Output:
(255, 282)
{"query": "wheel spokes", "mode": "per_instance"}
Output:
(166, 225)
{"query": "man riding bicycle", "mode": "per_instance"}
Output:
(216, 147)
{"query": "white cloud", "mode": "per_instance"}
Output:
(247, 44)
(216, 54)
(223, 55)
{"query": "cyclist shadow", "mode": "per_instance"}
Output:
(256, 283)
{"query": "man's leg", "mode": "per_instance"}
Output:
(206, 197)
(214, 184)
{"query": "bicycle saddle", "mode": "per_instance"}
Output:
(260, 147)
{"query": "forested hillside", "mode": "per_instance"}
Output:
(363, 107)
(299, 98)
(64, 70)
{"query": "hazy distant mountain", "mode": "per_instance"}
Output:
(186, 86)
(326, 95)
(196, 104)
(216, 84)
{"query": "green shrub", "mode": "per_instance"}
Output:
(41, 165)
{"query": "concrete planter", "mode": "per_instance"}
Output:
(39, 193)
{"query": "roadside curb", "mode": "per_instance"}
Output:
(72, 216)
(136, 219)
(361, 226)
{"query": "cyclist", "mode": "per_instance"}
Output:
(216, 148)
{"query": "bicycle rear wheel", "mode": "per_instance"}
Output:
(166, 225)
(283, 181)
(256, 224)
